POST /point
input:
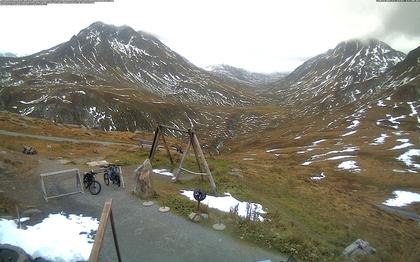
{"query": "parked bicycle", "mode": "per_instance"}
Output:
(112, 174)
(89, 181)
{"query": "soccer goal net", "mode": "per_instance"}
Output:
(61, 183)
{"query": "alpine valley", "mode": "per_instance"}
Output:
(340, 133)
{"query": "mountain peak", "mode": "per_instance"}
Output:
(353, 46)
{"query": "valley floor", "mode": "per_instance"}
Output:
(311, 219)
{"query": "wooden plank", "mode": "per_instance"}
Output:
(97, 245)
(114, 234)
(154, 144)
(197, 146)
(187, 150)
(167, 149)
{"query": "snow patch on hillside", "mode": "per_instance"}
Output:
(402, 198)
(350, 165)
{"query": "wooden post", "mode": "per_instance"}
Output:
(197, 148)
(100, 234)
(190, 133)
(167, 149)
(187, 150)
(154, 144)
(114, 234)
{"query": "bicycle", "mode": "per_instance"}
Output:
(112, 173)
(89, 181)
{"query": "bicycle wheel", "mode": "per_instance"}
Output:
(106, 178)
(118, 180)
(95, 187)
(86, 180)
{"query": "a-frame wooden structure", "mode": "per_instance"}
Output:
(192, 142)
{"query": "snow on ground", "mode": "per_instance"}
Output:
(248, 158)
(320, 177)
(350, 165)
(380, 103)
(405, 143)
(227, 202)
(409, 158)
(413, 108)
(58, 237)
(318, 142)
(379, 140)
(402, 198)
(349, 133)
(27, 111)
(273, 150)
(354, 124)
(163, 172)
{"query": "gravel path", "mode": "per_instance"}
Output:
(145, 234)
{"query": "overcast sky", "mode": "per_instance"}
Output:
(258, 35)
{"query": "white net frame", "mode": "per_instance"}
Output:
(68, 174)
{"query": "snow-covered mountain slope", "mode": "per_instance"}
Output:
(256, 80)
(375, 135)
(326, 81)
(115, 78)
(106, 55)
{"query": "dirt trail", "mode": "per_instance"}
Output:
(62, 139)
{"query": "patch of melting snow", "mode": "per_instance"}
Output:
(318, 142)
(298, 137)
(227, 202)
(27, 111)
(273, 150)
(320, 177)
(339, 157)
(413, 108)
(350, 165)
(248, 158)
(379, 140)
(404, 144)
(408, 158)
(163, 172)
(354, 124)
(402, 198)
(58, 237)
(349, 133)
(380, 103)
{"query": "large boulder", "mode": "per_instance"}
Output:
(143, 186)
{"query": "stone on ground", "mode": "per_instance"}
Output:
(219, 227)
(143, 181)
(358, 249)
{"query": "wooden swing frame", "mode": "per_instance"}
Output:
(192, 142)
